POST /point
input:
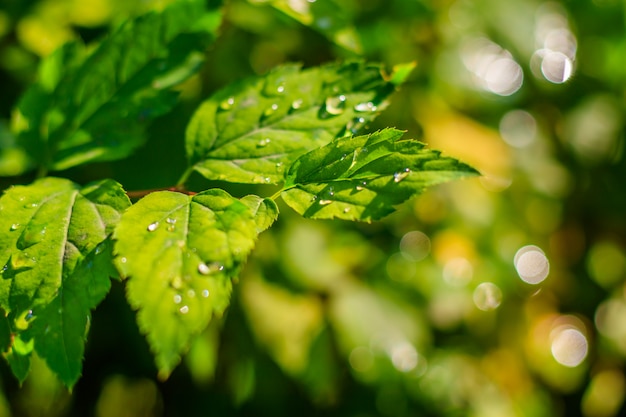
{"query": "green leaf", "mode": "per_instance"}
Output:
(265, 211)
(364, 177)
(57, 263)
(94, 106)
(180, 254)
(251, 131)
(329, 17)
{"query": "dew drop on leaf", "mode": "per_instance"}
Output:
(331, 191)
(205, 293)
(178, 298)
(335, 105)
(15, 226)
(123, 260)
(227, 104)
(346, 210)
(270, 110)
(296, 104)
(29, 315)
(325, 202)
(365, 107)
(280, 89)
(184, 310)
(171, 228)
(204, 269)
(263, 142)
(177, 282)
(191, 293)
(355, 124)
(170, 221)
(361, 186)
(399, 176)
(153, 226)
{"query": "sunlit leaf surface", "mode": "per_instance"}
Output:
(56, 265)
(180, 254)
(252, 131)
(364, 177)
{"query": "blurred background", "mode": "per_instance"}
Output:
(498, 296)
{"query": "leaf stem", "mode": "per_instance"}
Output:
(183, 179)
(278, 193)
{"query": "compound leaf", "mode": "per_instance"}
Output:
(251, 131)
(180, 254)
(57, 263)
(364, 177)
(94, 106)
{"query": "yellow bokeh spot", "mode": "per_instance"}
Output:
(42, 36)
(90, 13)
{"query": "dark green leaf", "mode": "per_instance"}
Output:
(328, 17)
(95, 106)
(364, 177)
(57, 263)
(180, 254)
(250, 132)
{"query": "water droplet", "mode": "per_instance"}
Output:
(279, 165)
(365, 107)
(184, 310)
(270, 110)
(227, 104)
(98, 250)
(205, 269)
(346, 210)
(355, 124)
(29, 315)
(205, 293)
(331, 191)
(177, 282)
(361, 186)
(263, 142)
(21, 198)
(343, 157)
(153, 226)
(296, 104)
(325, 202)
(171, 228)
(335, 105)
(191, 293)
(31, 205)
(280, 89)
(314, 198)
(123, 260)
(4, 268)
(15, 226)
(399, 176)
(170, 221)
(178, 299)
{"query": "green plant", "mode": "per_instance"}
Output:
(179, 250)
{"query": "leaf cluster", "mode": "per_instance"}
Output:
(179, 251)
